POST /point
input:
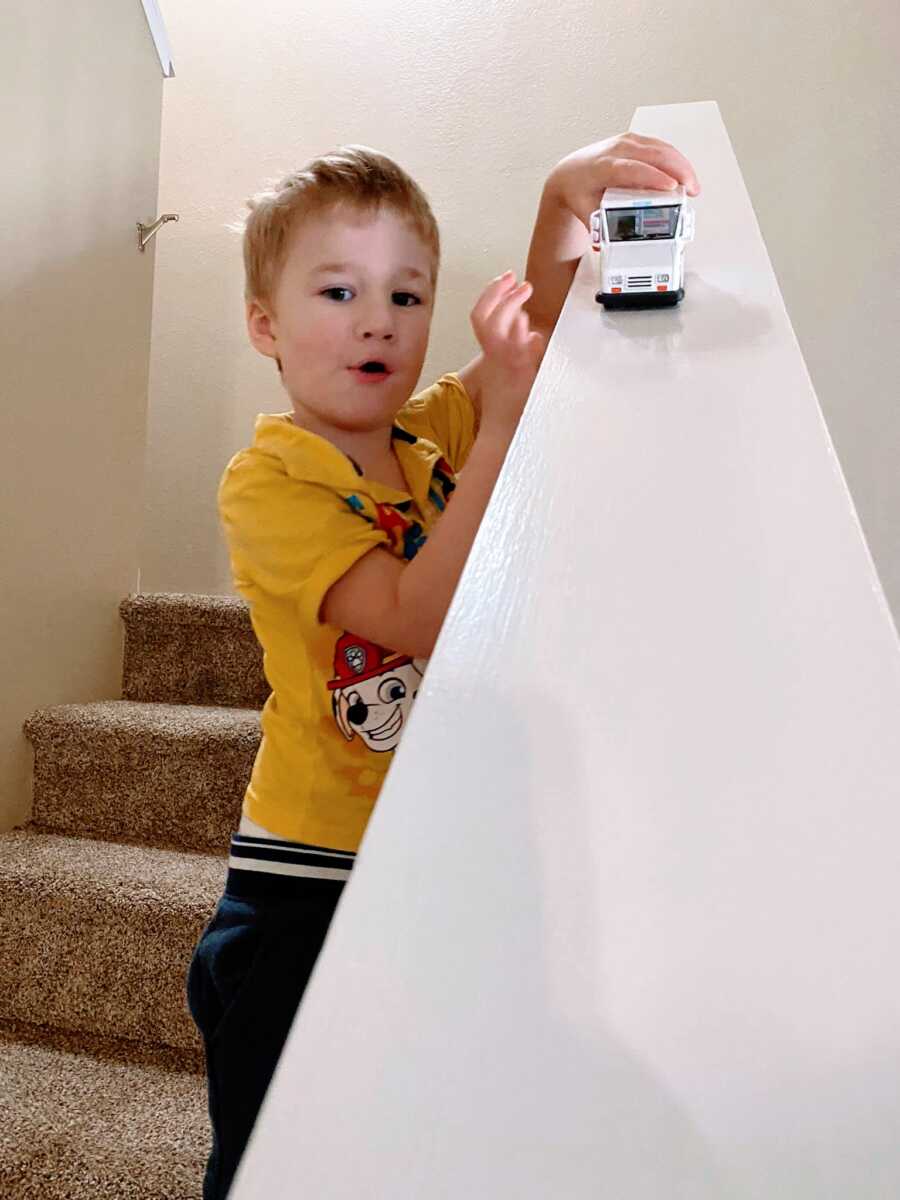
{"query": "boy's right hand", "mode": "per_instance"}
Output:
(512, 351)
(402, 604)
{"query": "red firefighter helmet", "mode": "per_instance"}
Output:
(356, 659)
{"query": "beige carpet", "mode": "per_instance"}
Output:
(89, 1120)
(102, 898)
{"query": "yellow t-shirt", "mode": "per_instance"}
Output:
(298, 513)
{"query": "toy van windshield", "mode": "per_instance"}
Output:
(639, 236)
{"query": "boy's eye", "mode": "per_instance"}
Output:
(342, 294)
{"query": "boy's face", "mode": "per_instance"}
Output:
(355, 288)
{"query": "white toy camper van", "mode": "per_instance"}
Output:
(639, 237)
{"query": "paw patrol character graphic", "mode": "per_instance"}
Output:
(371, 694)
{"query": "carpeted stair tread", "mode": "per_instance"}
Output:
(182, 720)
(94, 1119)
(97, 936)
(187, 608)
(182, 648)
(162, 774)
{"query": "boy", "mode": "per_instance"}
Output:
(332, 523)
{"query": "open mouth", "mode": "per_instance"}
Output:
(372, 366)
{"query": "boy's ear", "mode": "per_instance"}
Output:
(260, 329)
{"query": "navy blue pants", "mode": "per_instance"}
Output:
(246, 979)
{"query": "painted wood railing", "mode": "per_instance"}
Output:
(625, 922)
(160, 37)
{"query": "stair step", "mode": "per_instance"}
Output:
(163, 774)
(188, 649)
(97, 937)
(98, 1119)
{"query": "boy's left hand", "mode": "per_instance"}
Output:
(628, 160)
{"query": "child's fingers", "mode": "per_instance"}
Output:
(520, 330)
(489, 317)
(536, 341)
(491, 295)
(506, 310)
(632, 173)
(665, 157)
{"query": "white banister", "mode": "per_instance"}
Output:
(160, 37)
(625, 922)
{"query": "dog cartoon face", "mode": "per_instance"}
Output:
(377, 708)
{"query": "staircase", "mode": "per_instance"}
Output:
(102, 898)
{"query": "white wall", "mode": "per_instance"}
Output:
(80, 102)
(478, 100)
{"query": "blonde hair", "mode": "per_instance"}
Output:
(352, 175)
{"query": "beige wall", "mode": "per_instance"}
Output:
(81, 101)
(478, 101)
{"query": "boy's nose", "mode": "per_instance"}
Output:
(376, 322)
